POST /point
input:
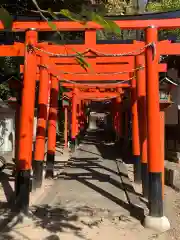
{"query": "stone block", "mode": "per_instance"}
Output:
(173, 156)
(172, 175)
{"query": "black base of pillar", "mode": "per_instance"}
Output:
(50, 165)
(37, 174)
(155, 195)
(23, 187)
(137, 168)
(145, 182)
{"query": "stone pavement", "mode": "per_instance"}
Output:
(91, 198)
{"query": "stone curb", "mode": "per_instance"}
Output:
(172, 175)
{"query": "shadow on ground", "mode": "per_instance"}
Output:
(95, 170)
(58, 219)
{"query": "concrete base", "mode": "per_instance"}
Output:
(159, 224)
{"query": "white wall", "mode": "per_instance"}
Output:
(7, 129)
(7, 133)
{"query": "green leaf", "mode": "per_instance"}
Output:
(108, 25)
(72, 16)
(99, 20)
(114, 27)
(6, 18)
(52, 25)
(52, 14)
(82, 62)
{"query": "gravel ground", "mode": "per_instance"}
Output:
(71, 220)
(171, 208)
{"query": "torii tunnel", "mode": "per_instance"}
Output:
(127, 75)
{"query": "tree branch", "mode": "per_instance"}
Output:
(39, 10)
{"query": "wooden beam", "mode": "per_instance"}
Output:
(86, 86)
(98, 95)
(16, 50)
(76, 26)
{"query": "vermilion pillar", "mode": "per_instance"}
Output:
(49, 92)
(81, 117)
(74, 117)
(23, 182)
(155, 219)
(135, 134)
(65, 127)
(162, 135)
(78, 121)
(41, 125)
(153, 118)
(142, 114)
(52, 120)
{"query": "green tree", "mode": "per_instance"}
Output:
(165, 6)
(73, 9)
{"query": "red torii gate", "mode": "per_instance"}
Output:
(146, 61)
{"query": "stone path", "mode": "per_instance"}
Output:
(91, 199)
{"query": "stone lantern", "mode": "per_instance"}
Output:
(165, 86)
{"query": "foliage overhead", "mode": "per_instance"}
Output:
(6, 18)
(37, 7)
(76, 10)
(165, 6)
